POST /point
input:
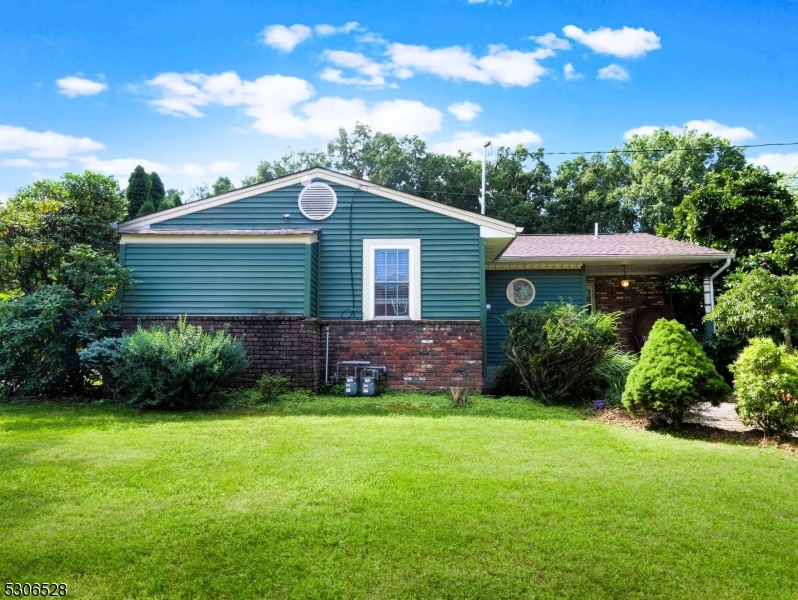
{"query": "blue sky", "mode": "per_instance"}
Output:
(195, 90)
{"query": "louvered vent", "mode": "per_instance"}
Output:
(317, 201)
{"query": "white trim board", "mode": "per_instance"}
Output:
(369, 246)
(492, 226)
(208, 238)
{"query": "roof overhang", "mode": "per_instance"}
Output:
(220, 236)
(662, 265)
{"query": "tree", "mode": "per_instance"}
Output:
(286, 165)
(520, 187)
(157, 191)
(222, 185)
(58, 260)
(742, 211)
(138, 190)
(757, 303)
(673, 375)
(147, 208)
(173, 198)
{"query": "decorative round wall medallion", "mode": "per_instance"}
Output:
(317, 201)
(520, 292)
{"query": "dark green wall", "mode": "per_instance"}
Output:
(450, 268)
(215, 279)
(550, 286)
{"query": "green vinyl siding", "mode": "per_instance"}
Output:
(314, 280)
(450, 269)
(550, 286)
(215, 279)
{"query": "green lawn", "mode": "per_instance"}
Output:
(395, 497)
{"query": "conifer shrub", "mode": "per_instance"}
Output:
(672, 376)
(179, 368)
(766, 386)
(555, 350)
(272, 385)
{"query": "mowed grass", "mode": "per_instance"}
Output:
(394, 497)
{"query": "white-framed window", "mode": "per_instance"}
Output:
(391, 279)
(520, 292)
(590, 293)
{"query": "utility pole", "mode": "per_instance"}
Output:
(484, 159)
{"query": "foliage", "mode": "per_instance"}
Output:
(766, 386)
(758, 303)
(44, 221)
(222, 185)
(138, 190)
(742, 211)
(147, 208)
(673, 375)
(611, 375)
(785, 253)
(104, 359)
(157, 190)
(287, 165)
(271, 386)
(722, 349)
(556, 349)
(179, 368)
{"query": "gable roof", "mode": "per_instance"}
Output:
(491, 227)
(623, 246)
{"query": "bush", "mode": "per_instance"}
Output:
(673, 375)
(104, 359)
(722, 348)
(556, 349)
(611, 376)
(766, 386)
(272, 386)
(179, 368)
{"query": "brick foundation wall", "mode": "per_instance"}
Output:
(642, 291)
(420, 355)
(284, 344)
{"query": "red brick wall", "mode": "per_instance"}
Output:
(642, 291)
(420, 355)
(275, 344)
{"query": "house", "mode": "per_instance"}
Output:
(319, 267)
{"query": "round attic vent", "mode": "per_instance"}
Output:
(317, 201)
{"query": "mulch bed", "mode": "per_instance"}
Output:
(695, 431)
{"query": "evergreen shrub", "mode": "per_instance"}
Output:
(555, 350)
(272, 386)
(766, 386)
(673, 375)
(179, 368)
(103, 360)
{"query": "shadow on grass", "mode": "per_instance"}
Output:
(32, 415)
(697, 431)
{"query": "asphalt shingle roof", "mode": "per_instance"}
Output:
(606, 245)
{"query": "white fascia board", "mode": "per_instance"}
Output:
(327, 175)
(210, 238)
(491, 232)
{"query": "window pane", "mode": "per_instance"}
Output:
(392, 283)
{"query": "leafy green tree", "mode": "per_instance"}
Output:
(222, 185)
(785, 253)
(172, 199)
(138, 190)
(519, 184)
(286, 165)
(157, 191)
(673, 375)
(758, 303)
(58, 263)
(588, 191)
(743, 211)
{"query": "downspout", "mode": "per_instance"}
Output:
(709, 294)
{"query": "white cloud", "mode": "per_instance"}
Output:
(785, 163)
(570, 73)
(325, 29)
(626, 42)
(472, 141)
(613, 71)
(222, 165)
(121, 167)
(465, 111)
(373, 71)
(285, 38)
(280, 105)
(47, 144)
(551, 41)
(371, 38)
(73, 86)
(501, 65)
(17, 163)
(733, 134)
